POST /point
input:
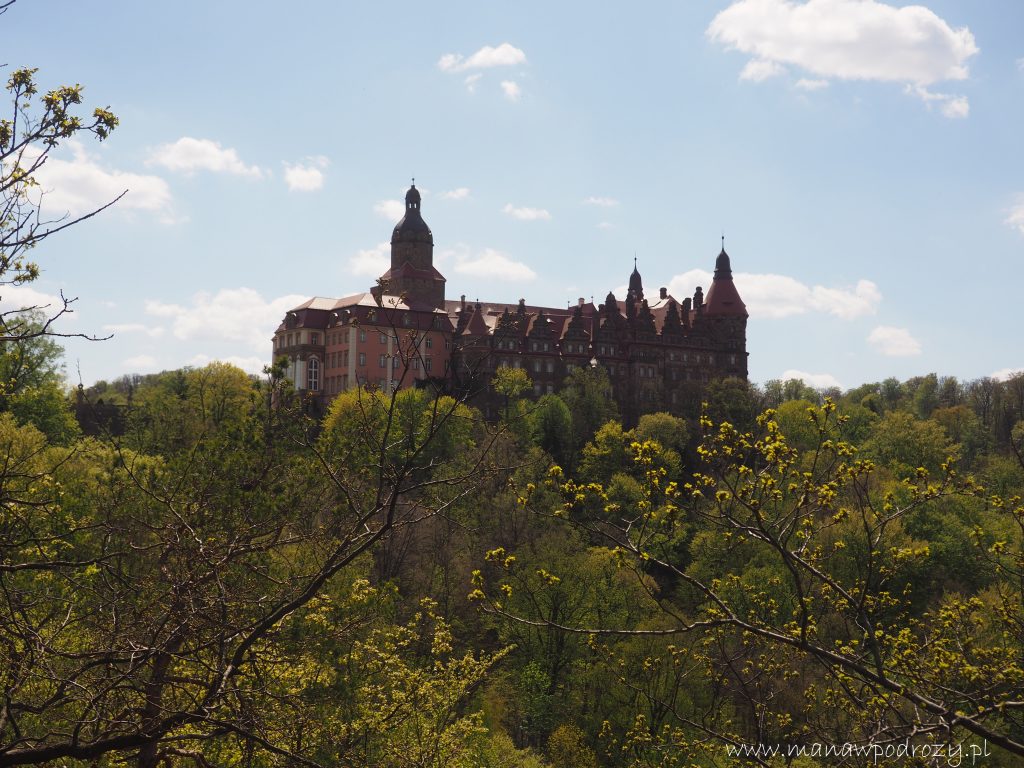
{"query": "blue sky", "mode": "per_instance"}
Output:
(864, 160)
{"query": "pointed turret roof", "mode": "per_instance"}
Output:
(636, 283)
(722, 297)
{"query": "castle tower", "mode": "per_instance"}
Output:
(412, 274)
(636, 284)
(723, 298)
(726, 313)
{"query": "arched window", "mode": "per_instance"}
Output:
(313, 375)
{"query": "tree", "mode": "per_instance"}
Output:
(587, 392)
(803, 604)
(551, 428)
(35, 127)
(669, 431)
(152, 605)
(32, 381)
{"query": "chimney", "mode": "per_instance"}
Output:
(582, 302)
(462, 300)
(664, 292)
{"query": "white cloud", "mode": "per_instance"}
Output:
(392, 210)
(254, 365)
(81, 185)
(601, 202)
(604, 225)
(759, 70)
(154, 332)
(950, 105)
(493, 265)
(188, 155)
(1016, 217)
(848, 40)
(17, 297)
(816, 380)
(810, 84)
(372, 262)
(461, 193)
(1005, 374)
(775, 296)
(232, 314)
(504, 55)
(511, 90)
(140, 363)
(894, 342)
(307, 176)
(471, 81)
(526, 214)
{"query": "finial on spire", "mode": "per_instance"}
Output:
(414, 181)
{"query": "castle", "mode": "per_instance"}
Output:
(659, 353)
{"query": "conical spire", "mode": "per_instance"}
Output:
(722, 297)
(636, 283)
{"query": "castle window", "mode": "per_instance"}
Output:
(362, 358)
(314, 338)
(426, 364)
(551, 366)
(383, 339)
(372, 315)
(313, 375)
(362, 337)
(547, 347)
(551, 389)
(383, 361)
(406, 320)
(536, 366)
(430, 342)
(732, 359)
(416, 364)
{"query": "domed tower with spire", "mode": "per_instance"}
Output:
(412, 274)
(725, 310)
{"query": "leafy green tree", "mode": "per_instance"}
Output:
(32, 381)
(588, 394)
(551, 428)
(165, 594)
(818, 603)
(567, 747)
(670, 432)
(732, 400)
(903, 443)
(964, 429)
